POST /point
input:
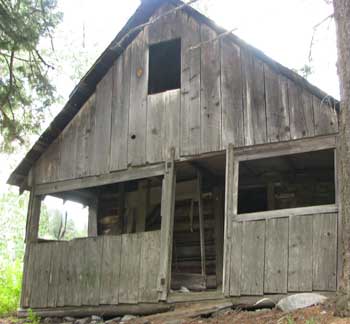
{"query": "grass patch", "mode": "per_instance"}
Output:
(10, 286)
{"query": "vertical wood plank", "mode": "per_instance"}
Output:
(277, 113)
(149, 266)
(167, 224)
(91, 135)
(201, 223)
(324, 252)
(68, 151)
(326, 119)
(63, 274)
(54, 282)
(190, 87)
(142, 205)
(300, 254)
(236, 259)
(155, 127)
(110, 270)
(130, 269)
(120, 111)
(138, 99)
(253, 251)
(102, 132)
(231, 95)
(301, 112)
(210, 92)
(82, 145)
(41, 275)
(92, 269)
(253, 99)
(276, 256)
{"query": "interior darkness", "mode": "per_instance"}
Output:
(164, 66)
(289, 181)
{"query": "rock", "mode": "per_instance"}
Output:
(126, 318)
(298, 301)
(96, 318)
(113, 320)
(184, 290)
(69, 319)
(85, 320)
(174, 321)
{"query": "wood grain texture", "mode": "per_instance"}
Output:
(324, 252)
(110, 270)
(210, 91)
(276, 256)
(253, 99)
(253, 245)
(149, 266)
(190, 87)
(236, 260)
(130, 269)
(138, 100)
(300, 254)
(99, 158)
(326, 119)
(231, 95)
(120, 111)
(301, 112)
(277, 111)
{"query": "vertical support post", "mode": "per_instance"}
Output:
(337, 186)
(167, 224)
(31, 236)
(201, 223)
(219, 234)
(142, 205)
(92, 222)
(231, 197)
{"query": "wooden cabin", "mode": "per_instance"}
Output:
(208, 169)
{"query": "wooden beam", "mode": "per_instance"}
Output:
(103, 310)
(201, 223)
(280, 213)
(94, 181)
(167, 224)
(93, 214)
(231, 187)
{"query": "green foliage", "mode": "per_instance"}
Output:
(10, 286)
(290, 320)
(33, 317)
(25, 89)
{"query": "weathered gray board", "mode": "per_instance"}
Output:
(280, 255)
(106, 270)
(227, 95)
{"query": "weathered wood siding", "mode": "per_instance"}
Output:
(291, 254)
(93, 271)
(227, 95)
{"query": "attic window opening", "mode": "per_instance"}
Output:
(164, 66)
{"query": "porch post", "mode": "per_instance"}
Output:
(167, 223)
(231, 197)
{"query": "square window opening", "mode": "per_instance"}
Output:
(164, 66)
(290, 181)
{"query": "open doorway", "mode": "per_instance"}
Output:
(197, 253)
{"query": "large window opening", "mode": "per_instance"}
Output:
(289, 181)
(198, 225)
(114, 209)
(164, 66)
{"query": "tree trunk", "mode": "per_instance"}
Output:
(342, 20)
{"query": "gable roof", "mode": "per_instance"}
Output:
(128, 33)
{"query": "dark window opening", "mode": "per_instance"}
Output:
(289, 181)
(164, 66)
